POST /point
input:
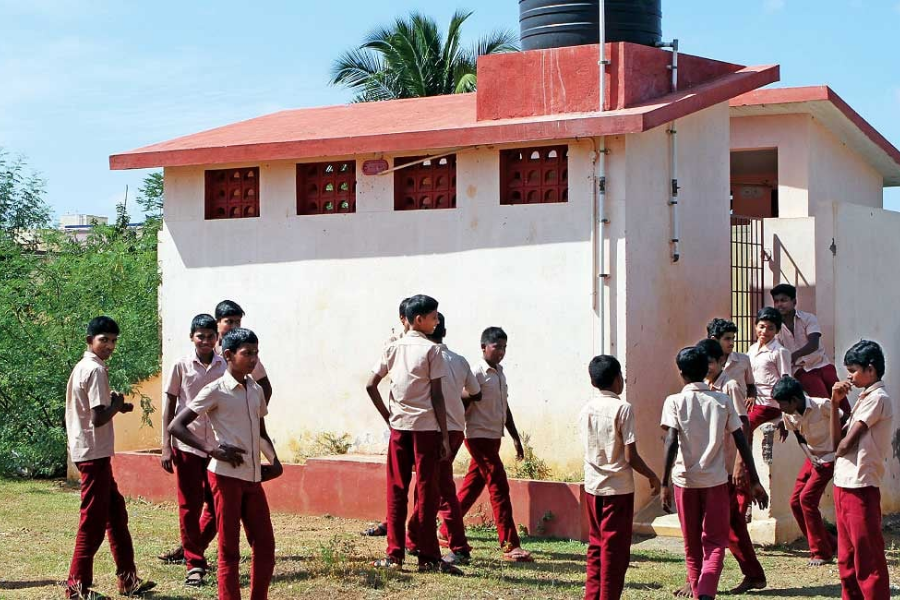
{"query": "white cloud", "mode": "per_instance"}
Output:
(771, 6)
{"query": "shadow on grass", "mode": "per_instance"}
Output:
(24, 585)
(831, 590)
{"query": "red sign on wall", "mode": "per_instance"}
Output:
(374, 167)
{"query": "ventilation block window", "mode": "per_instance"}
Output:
(426, 185)
(534, 175)
(326, 188)
(232, 193)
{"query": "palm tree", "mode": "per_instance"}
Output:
(412, 59)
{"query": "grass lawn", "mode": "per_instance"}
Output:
(323, 557)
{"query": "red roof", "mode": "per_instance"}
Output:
(421, 124)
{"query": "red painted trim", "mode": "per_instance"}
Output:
(448, 135)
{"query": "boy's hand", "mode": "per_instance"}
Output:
(740, 477)
(445, 450)
(760, 497)
(782, 432)
(520, 451)
(840, 391)
(272, 471)
(748, 403)
(654, 485)
(166, 460)
(230, 454)
(665, 498)
(127, 407)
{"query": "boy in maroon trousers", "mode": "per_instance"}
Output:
(196, 512)
(610, 457)
(419, 435)
(236, 407)
(90, 408)
(860, 448)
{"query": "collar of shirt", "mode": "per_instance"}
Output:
(95, 358)
(772, 346)
(608, 394)
(719, 383)
(217, 358)
(875, 386)
(414, 333)
(696, 387)
(487, 367)
(230, 382)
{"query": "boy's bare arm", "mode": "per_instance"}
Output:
(224, 452)
(838, 392)
(851, 439)
(101, 415)
(440, 413)
(266, 386)
(168, 414)
(739, 475)
(275, 469)
(670, 453)
(751, 390)
(468, 400)
(812, 344)
(514, 434)
(637, 463)
(756, 489)
(377, 400)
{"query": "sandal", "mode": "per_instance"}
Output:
(375, 531)
(132, 585)
(518, 555)
(389, 564)
(195, 577)
(440, 566)
(173, 557)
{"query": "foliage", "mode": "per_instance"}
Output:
(150, 196)
(22, 205)
(530, 467)
(332, 443)
(412, 58)
(49, 290)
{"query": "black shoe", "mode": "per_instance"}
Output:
(173, 557)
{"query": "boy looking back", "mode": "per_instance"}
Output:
(229, 315)
(90, 408)
(606, 425)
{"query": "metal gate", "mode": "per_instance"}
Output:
(747, 287)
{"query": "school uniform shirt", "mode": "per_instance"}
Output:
(728, 386)
(815, 427)
(87, 389)
(770, 363)
(805, 324)
(738, 368)
(412, 362)
(863, 466)
(606, 425)
(459, 378)
(234, 409)
(394, 337)
(702, 419)
(487, 417)
(259, 371)
(189, 375)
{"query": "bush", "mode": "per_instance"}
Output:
(530, 467)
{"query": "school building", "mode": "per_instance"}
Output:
(523, 205)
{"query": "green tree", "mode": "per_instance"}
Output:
(150, 196)
(22, 205)
(412, 58)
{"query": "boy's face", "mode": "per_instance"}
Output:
(789, 406)
(494, 352)
(861, 377)
(228, 323)
(765, 331)
(243, 361)
(103, 344)
(405, 322)
(727, 342)
(715, 368)
(426, 323)
(204, 341)
(784, 304)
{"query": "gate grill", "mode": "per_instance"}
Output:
(747, 287)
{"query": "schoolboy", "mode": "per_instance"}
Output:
(770, 361)
(739, 542)
(860, 448)
(485, 421)
(229, 315)
(737, 365)
(419, 435)
(236, 408)
(196, 513)
(606, 424)
(801, 335)
(459, 380)
(696, 421)
(90, 408)
(810, 420)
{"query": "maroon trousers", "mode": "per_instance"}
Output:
(758, 415)
(808, 489)
(486, 468)
(739, 542)
(704, 517)
(102, 511)
(861, 562)
(238, 501)
(196, 512)
(449, 511)
(609, 545)
(422, 449)
(818, 383)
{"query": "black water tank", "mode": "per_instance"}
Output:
(557, 23)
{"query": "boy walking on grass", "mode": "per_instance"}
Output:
(606, 424)
(90, 408)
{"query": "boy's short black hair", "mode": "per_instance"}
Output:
(693, 363)
(784, 289)
(492, 335)
(101, 325)
(719, 327)
(865, 353)
(238, 336)
(440, 332)
(787, 389)
(771, 315)
(203, 321)
(712, 348)
(603, 370)
(228, 308)
(420, 305)
(403, 304)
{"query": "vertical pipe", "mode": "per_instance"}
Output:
(602, 62)
(675, 237)
(602, 273)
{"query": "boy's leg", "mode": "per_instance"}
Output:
(208, 517)
(714, 538)
(228, 494)
(486, 452)
(739, 542)
(96, 479)
(861, 561)
(190, 480)
(261, 537)
(450, 511)
(690, 515)
(615, 553)
(471, 488)
(595, 546)
(412, 524)
(426, 449)
(820, 541)
(758, 415)
(399, 472)
(120, 543)
(800, 485)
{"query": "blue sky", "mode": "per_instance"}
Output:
(83, 79)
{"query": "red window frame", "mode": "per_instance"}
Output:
(232, 193)
(534, 175)
(428, 185)
(326, 188)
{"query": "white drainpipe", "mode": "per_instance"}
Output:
(602, 62)
(675, 237)
(599, 192)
